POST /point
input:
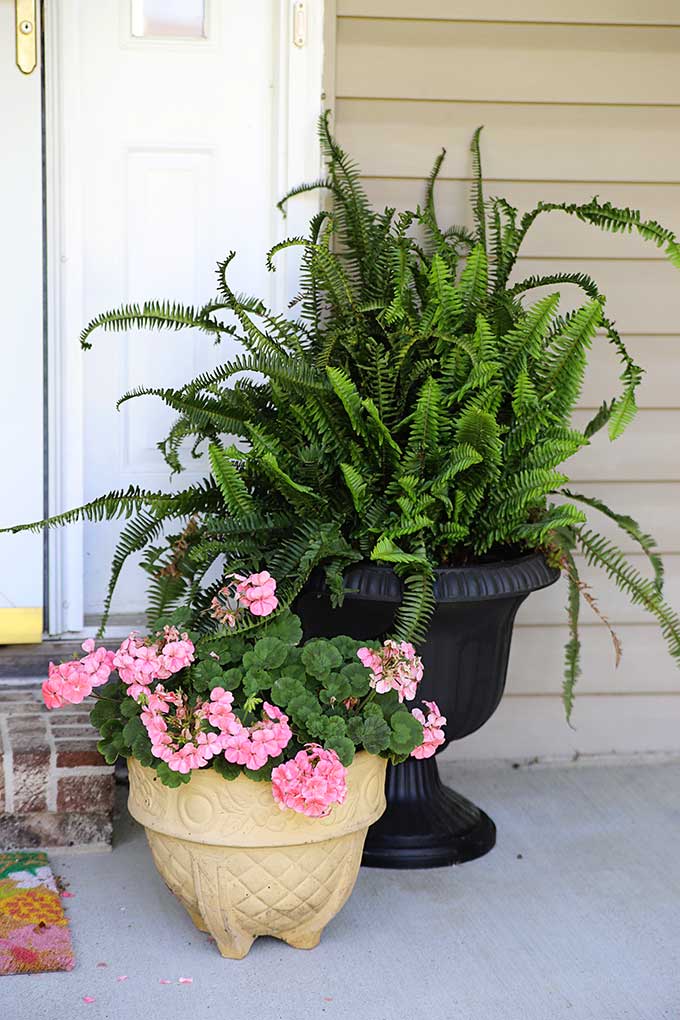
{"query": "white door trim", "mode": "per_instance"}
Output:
(298, 82)
(64, 254)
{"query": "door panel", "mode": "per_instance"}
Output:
(21, 399)
(178, 171)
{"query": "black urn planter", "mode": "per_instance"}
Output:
(466, 653)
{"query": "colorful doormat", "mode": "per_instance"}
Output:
(34, 935)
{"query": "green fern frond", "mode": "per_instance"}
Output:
(600, 552)
(303, 189)
(417, 606)
(153, 315)
(646, 542)
(478, 205)
(236, 495)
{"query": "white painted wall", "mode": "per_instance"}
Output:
(577, 99)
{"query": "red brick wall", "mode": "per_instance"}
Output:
(55, 788)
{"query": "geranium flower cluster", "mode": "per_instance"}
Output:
(140, 661)
(255, 593)
(433, 730)
(175, 730)
(192, 719)
(179, 738)
(311, 782)
(73, 681)
(395, 667)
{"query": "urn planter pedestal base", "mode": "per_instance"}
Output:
(426, 824)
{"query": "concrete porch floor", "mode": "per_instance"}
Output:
(574, 916)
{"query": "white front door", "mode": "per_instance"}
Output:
(21, 288)
(178, 145)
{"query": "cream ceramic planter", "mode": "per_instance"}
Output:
(241, 866)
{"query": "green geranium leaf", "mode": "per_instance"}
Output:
(406, 733)
(256, 680)
(388, 704)
(376, 734)
(355, 729)
(264, 774)
(109, 751)
(286, 628)
(170, 778)
(335, 726)
(129, 708)
(320, 658)
(268, 653)
(302, 706)
(141, 750)
(118, 741)
(229, 648)
(206, 674)
(335, 689)
(316, 725)
(230, 679)
(343, 747)
(358, 677)
(225, 768)
(133, 728)
(347, 646)
(103, 711)
(285, 689)
(294, 669)
(109, 728)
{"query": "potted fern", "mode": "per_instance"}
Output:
(402, 468)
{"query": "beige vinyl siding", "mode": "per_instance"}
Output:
(576, 99)
(608, 12)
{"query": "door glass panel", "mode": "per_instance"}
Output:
(168, 18)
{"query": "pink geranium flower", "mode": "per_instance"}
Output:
(218, 710)
(311, 782)
(252, 746)
(177, 655)
(73, 681)
(433, 730)
(395, 667)
(256, 592)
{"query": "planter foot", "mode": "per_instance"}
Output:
(196, 918)
(304, 940)
(426, 825)
(233, 945)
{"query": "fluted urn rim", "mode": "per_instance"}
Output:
(478, 582)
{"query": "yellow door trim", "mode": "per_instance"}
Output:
(21, 626)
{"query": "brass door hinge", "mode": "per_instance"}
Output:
(299, 24)
(27, 35)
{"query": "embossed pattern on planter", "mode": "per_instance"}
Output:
(242, 867)
(210, 809)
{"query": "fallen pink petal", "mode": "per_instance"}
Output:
(164, 981)
(88, 999)
(67, 895)
(122, 977)
(186, 981)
